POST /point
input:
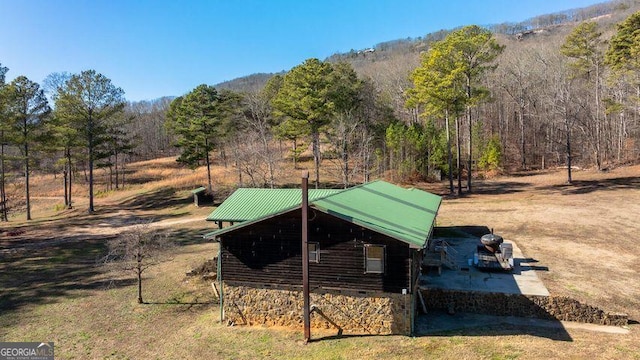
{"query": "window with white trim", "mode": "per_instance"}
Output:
(374, 256)
(314, 252)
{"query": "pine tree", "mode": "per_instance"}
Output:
(86, 101)
(306, 99)
(196, 119)
(28, 107)
(584, 46)
(4, 122)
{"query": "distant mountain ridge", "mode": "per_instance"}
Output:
(389, 50)
(249, 83)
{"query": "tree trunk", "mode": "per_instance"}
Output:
(69, 204)
(210, 183)
(523, 157)
(64, 183)
(223, 153)
(269, 154)
(295, 154)
(124, 168)
(568, 131)
(140, 287)
(345, 160)
(272, 178)
(449, 154)
(239, 169)
(115, 164)
(90, 138)
(458, 155)
(110, 184)
(597, 146)
(316, 157)
(366, 160)
(26, 179)
(469, 153)
(139, 268)
(468, 111)
(3, 194)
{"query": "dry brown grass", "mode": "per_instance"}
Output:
(584, 234)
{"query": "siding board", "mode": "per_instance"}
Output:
(269, 252)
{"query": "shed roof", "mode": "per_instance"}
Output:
(248, 204)
(407, 215)
(198, 190)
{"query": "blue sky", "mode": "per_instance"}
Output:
(156, 48)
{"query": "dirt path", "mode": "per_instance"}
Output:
(120, 222)
(124, 221)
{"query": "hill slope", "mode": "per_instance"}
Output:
(387, 60)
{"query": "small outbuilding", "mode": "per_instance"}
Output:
(365, 248)
(201, 196)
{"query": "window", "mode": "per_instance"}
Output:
(314, 252)
(374, 259)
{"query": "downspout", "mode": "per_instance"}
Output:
(219, 276)
(411, 293)
(305, 255)
(412, 315)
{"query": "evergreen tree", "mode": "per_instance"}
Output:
(28, 107)
(624, 46)
(306, 99)
(86, 101)
(473, 50)
(4, 122)
(196, 119)
(584, 46)
(491, 158)
(60, 129)
(115, 146)
(437, 85)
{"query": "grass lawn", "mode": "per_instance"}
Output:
(52, 290)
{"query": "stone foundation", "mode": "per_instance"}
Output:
(356, 312)
(543, 307)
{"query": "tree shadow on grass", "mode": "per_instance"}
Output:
(41, 274)
(183, 306)
(498, 188)
(589, 186)
(162, 198)
(184, 237)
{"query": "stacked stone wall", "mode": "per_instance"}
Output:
(355, 312)
(543, 307)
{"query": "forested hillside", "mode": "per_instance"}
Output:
(557, 90)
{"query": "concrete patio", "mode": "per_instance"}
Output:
(522, 280)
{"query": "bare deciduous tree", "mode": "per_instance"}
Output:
(137, 250)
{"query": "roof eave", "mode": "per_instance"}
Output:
(215, 234)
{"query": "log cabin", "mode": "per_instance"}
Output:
(365, 247)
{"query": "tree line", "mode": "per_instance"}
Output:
(73, 124)
(471, 101)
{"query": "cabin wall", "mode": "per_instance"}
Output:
(354, 312)
(268, 252)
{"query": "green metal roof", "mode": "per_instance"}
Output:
(200, 189)
(248, 204)
(407, 215)
(404, 214)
